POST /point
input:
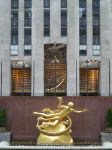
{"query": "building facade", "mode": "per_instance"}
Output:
(55, 47)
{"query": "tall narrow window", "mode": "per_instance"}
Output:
(27, 27)
(28, 3)
(14, 4)
(46, 3)
(63, 17)
(83, 27)
(46, 18)
(14, 27)
(55, 69)
(90, 78)
(63, 3)
(96, 27)
(21, 78)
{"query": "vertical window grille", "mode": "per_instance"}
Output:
(46, 3)
(90, 78)
(21, 81)
(27, 27)
(46, 18)
(63, 17)
(63, 3)
(83, 27)
(96, 26)
(28, 4)
(14, 27)
(14, 4)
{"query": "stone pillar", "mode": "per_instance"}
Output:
(5, 29)
(6, 78)
(110, 8)
(73, 48)
(38, 46)
(110, 78)
(104, 77)
(105, 46)
(55, 20)
(0, 77)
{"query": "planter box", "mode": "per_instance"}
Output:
(5, 136)
(2, 129)
(106, 137)
(108, 130)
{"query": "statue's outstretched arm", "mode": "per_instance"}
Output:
(79, 111)
(40, 114)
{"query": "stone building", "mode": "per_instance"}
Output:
(55, 47)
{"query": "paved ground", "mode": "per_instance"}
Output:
(55, 147)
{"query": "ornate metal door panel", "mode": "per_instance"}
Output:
(55, 69)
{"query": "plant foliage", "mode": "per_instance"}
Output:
(2, 117)
(109, 118)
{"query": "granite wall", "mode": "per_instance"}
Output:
(21, 122)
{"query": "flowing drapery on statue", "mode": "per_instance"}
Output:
(55, 125)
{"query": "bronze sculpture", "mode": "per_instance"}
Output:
(55, 125)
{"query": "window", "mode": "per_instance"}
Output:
(14, 31)
(96, 27)
(27, 51)
(83, 50)
(28, 27)
(27, 19)
(46, 19)
(28, 3)
(14, 27)
(83, 38)
(96, 50)
(14, 22)
(27, 31)
(96, 40)
(14, 50)
(14, 4)
(82, 3)
(89, 82)
(27, 40)
(96, 6)
(21, 81)
(90, 78)
(82, 27)
(14, 18)
(63, 22)
(63, 17)
(63, 3)
(14, 40)
(96, 22)
(46, 3)
(83, 22)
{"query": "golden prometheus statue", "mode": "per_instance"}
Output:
(55, 125)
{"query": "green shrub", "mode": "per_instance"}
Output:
(109, 118)
(2, 117)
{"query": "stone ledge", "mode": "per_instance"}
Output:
(5, 136)
(55, 147)
(106, 137)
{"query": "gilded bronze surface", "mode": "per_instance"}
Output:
(55, 125)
